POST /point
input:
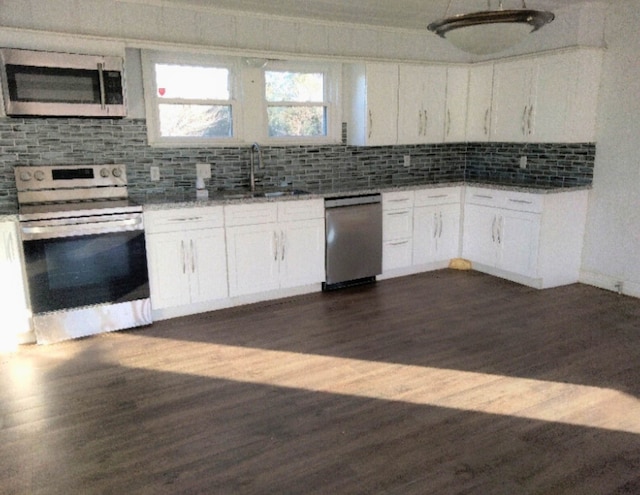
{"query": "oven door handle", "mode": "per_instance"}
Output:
(35, 232)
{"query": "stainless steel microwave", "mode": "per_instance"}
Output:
(61, 84)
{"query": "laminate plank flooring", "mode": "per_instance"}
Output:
(440, 383)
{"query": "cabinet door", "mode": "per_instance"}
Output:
(456, 104)
(421, 107)
(302, 253)
(381, 116)
(518, 240)
(480, 234)
(512, 109)
(252, 258)
(167, 258)
(555, 84)
(436, 233)
(479, 105)
(13, 301)
(207, 265)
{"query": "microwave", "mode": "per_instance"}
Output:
(61, 84)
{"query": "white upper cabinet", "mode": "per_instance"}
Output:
(479, 105)
(550, 98)
(512, 101)
(455, 118)
(373, 89)
(421, 100)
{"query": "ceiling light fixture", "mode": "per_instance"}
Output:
(490, 31)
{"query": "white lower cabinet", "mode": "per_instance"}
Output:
(15, 326)
(274, 245)
(534, 239)
(503, 239)
(397, 230)
(186, 256)
(436, 225)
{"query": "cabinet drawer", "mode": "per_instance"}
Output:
(510, 200)
(300, 210)
(251, 214)
(483, 197)
(396, 254)
(521, 201)
(437, 196)
(397, 200)
(397, 224)
(180, 219)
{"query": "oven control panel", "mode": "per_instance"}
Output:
(69, 177)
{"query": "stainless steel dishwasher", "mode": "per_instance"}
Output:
(353, 240)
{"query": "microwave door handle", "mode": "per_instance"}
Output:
(103, 93)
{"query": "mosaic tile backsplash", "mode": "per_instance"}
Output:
(75, 141)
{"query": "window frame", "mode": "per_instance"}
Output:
(153, 101)
(332, 73)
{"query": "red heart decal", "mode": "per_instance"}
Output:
(162, 91)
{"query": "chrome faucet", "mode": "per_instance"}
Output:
(255, 148)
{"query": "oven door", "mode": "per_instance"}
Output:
(82, 270)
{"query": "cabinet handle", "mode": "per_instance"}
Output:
(193, 257)
(524, 117)
(486, 122)
(103, 93)
(529, 120)
(483, 196)
(275, 246)
(398, 243)
(493, 230)
(448, 122)
(370, 123)
(440, 233)
(185, 219)
(398, 200)
(521, 201)
(426, 122)
(435, 225)
(396, 213)
(283, 242)
(184, 260)
(500, 226)
(419, 122)
(437, 196)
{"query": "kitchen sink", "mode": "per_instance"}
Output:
(275, 193)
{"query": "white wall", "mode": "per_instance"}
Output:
(138, 24)
(612, 242)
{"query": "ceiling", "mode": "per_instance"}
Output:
(410, 14)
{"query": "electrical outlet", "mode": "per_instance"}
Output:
(155, 173)
(523, 161)
(203, 170)
(407, 161)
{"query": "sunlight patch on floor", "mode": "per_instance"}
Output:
(567, 403)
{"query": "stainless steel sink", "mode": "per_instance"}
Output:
(241, 194)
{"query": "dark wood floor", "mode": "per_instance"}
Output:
(442, 383)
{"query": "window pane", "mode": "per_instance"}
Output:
(191, 82)
(294, 86)
(297, 121)
(195, 120)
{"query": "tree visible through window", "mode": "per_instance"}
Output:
(193, 101)
(296, 104)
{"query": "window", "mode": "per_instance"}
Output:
(189, 101)
(215, 100)
(298, 102)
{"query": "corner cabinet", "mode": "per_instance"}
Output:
(533, 239)
(274, 245)
(186, 256)
(15, 326)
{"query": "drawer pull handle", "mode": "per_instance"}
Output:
(483, 196)
(521, 201)
(437, 196)
(399, 243)
(397, 213)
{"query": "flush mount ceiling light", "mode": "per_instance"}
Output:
(490, 31)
